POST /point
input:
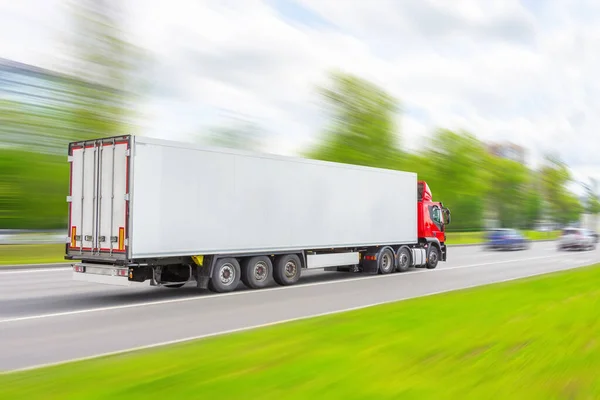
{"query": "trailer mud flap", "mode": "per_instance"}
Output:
(203, 270)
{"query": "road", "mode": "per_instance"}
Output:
(46, 318)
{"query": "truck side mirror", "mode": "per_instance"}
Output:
(446, 214)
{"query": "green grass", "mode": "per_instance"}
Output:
(479, 237)
(537, 338)
(536, 235)
(464, 237)
(31, 254)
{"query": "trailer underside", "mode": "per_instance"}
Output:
(223, 272)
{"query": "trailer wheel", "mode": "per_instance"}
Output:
(287, 269)
(256, 271)
(385, 261)
(404, 259)
(433, 257)
(226, 275)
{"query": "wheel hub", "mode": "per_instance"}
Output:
(290, 269)
(227, 274)
(260, 271)
(403, 259)
(385, 262)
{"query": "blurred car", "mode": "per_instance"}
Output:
(577, 239)
(506, 239)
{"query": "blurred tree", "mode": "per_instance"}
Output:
(32, 190)
(565, 208)
(592, 197)
(571, 209)
(458, 176)
(362, 130)
(104, 58)
(534, 203)
(507, 192)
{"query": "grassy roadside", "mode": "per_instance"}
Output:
(536, 338)
(479, 237)
(54, 253)
(31, 254)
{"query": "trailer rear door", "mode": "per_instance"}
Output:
(98, 198)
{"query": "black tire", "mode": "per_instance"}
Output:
(433, 257)
(257, 271)
(403, 260)
(386, 261)
(174, 285)
(226, 275)
(287, 269)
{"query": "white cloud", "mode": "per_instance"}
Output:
(26, 29)
(504, 69)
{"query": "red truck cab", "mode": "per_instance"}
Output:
(432, 219)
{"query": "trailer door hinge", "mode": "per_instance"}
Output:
(70, 158)
(69, 199)
(127, 153)
(126, 196)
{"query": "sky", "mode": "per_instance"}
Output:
(506, 70)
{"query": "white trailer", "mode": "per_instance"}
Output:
(146, 209)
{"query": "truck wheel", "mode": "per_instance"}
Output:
(287, 269)
(404, 259)
(226, 275)
(385, 261)
(256, 271)
(433, 257)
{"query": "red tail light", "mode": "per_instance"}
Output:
(78, 268)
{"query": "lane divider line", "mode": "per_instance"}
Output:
(29, 271)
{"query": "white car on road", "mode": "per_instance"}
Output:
(577, 239)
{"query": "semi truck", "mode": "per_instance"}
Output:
(168, 213)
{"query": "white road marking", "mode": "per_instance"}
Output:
(29, 271)
(257, 292)
(269, 324)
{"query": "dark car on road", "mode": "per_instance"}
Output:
(506, 239)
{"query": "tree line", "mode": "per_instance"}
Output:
(475, 184)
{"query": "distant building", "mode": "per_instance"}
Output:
(508, 151)
(38, 105)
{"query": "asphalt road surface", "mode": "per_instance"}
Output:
(47, 318)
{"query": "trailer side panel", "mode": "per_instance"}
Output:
(192, 200)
